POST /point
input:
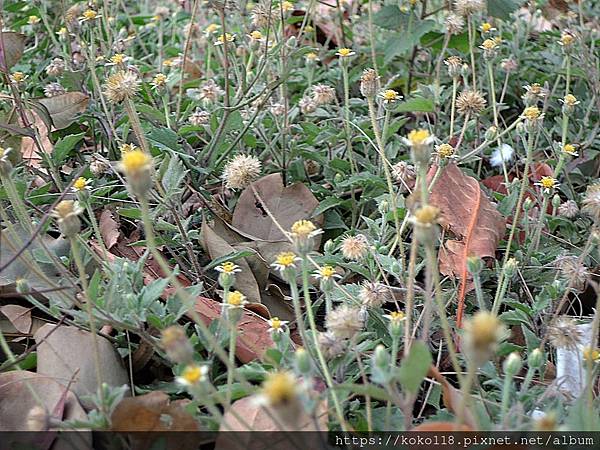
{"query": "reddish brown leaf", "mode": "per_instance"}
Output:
(441, 426)
(19, 316)
(470, 217)
(109, 228)
(452, 398)
(155, 413)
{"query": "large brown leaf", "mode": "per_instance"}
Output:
(63, 109)
(13, 45)
(155, 414)
(453, 399)
(467, 213)
(287, 204)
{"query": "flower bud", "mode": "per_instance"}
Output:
(512, 364)
(176, 345)
(66, 213)
(491, 133)
(302, 359)
(369, 83)
(474, 264)
(556, 201)
(536, 359)
(511, 267)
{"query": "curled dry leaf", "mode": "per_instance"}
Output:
(467, 213)
(109, 228)
(19, 316)
(29, 150)
(13, 46)
(63, 109)
(287, 204)
(78, 362)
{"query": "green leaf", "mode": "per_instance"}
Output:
(173, 176)
(502, 9)
(389, 17)
(328, 203)
(414, 367)
(165, 139)
(415, 104)
(399, 43)
(233, 256)
(130, 213)
(64, 146)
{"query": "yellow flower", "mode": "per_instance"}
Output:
(566, 39)
(303, 228)
(228, 267)
(326, 272)
(486, 27)
(286, 259)
(119, 58)
(81, 184)
(445, 151)
(159, 80)
(489, 44)
(128, 147)
(210, 29)
(547, 184)
(345, 52)
(591, 354)
(18, 77)
(570, 150)
(531, 113)
(570, 100)
(389, 96)
(192, 375)
(419, 137)
(395, 317)
(236, 299)
(426, 215)
(32, 20)
(277, 325)
(89, 14)
(256, 35)
(280, 388)
(225, 37)
(62, 32)
(308, 29)
(135, 161)
(287, 6)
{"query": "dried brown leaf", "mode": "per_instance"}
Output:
(452, 398)
(287, 204)
(64, 108)
(109, 228)
(19, 316)
(467, 213)
(13, 45)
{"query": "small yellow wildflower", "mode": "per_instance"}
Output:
(489, 44)
(81, 184)
(591, 354)
(486, 27)
(32, 20)
(285, 260)
(277, 325)
(256, 35)
(570, 100)
(326, 272)
(89, 15)
(395, 317)
(18, 77)
(345, 52)
(280, 388)
(159, 80)
(531, 113)
(118, 58)
(210, 29)
(445, 151)
(135, 161)
(419, 137)
(192, 375)
(236, 299)
(547, 184)
(570, 150)
(426, 215)
(228, 267)
(287, 6)
(303, 228)
(389, 96)
(225, 37)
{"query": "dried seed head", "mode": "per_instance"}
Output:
(263, 15)
(210, 92)
(563, 332)
(344, 322)
(176, 345)
(426, 215)
(355, 247)
(405, 174)
(568, 209)
(573, 271)
(307, 105)
(240, 171)
(199, 117)
(454, 23)
(369, 83)
(331, 345)
(53, 89)
(591, 202)
(468, 7)
(98, 165)
(322, 94)
(454, 64)
(56, 67)
(509, 65)
(374, 294)
(121, 85)
(470, 102)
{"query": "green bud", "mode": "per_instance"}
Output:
(556, 201)
(381, 358)
(474, 264)
(329, 247)
(536, 359)
(22, 285)
(512, 364)
(491, 133)
(302, 361)
(511, 267)
(527, 204)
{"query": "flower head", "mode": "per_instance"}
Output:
(256, 36)
(280, 389)
(345, 53)
(482, 334)
(405, 174)
(374, 294)
(569, 102)
(211, 28)
(56, 67)
(326, 273)
(591, 201)
(395, 317)
(240, 171)
(285, 261)
(32, 20)
(486, 27)
(199, 118)
(548, 184)
(18, 77)
(570, 149)
(53, 89)
(389, 96)
(193, 375)
(454, 23)
(468, 7)
(568, 209)
(355, 247)
(591, 354)
(489, 47)
(563, 332)
(228, 267)
(470, 102)
(322, 94)
(159, 81)
(138, 167)
(454, 64)
(344, 321)
(225, 38)
(369, 83)
(276, 325)
(81, 184)
(235, 300)
(66, 213)
(567, 39)
(88, 15)
(176, 344)
(121, 85)
(445, 151)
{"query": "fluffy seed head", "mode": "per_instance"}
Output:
(322, 94)
(331, 345)
(568, 209)
(454, 23)
(405, 174)
(470, 102)
(468, 7)
(344, 321)
(591, 201)
(355, 247)
(374, 294)
(369, 83)
(563, 332)
(121, 85)
(241, 171)
(56, 67)
(53, 89)
(571, 269)
(199, 117)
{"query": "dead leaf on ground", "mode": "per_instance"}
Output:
(245, 281)
(29, 150)
(287, 204)
(453, 398)
(155, 414)
(467, 213)
(19, 316)
(78, 362)
(257, 418)
(63, 109)
(16, 399)
(14, 45)
(440, 426)
(109, 228)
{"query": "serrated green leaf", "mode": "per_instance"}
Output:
(64, 146)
